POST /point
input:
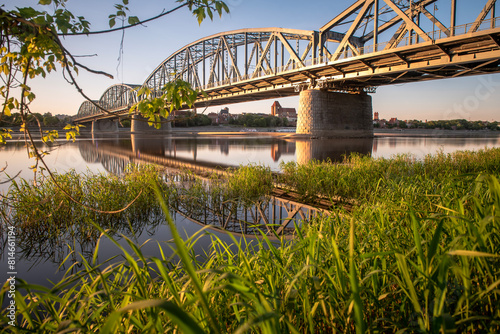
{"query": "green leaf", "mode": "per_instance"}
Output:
(112, 23)
(133, 20)
(28, 12)
(6, 110)
(472, 253)
(180, 317)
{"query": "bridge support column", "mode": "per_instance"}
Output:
(140, 124)
(332, 114)
(104, 125)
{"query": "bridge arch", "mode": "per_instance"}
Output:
(119, 96)
(234, 56)
(116, 97)
(87, 108)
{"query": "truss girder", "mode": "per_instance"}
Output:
(116, 97)
(232, 56)
(371, 43)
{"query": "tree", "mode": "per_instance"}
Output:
(49, 120)
(493, 126)
(31, 47)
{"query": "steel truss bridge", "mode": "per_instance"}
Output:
(369, 44)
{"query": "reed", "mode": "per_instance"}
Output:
(49, 220)
(401, 261)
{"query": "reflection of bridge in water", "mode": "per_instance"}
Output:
(278, 214)
(272, 215)
(116, 153)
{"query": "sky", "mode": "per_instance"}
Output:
(145, 47)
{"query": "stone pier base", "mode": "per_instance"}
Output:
(332, 114)
(140, 124)
(104, 125)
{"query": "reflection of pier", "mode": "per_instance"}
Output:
(194, 153)
(332, 149)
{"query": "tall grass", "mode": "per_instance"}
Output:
(401, 261)
(49, 220)
(402, 177)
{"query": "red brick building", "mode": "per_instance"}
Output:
(289, 113)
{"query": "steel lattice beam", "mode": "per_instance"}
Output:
(371, 43)
(115, 98)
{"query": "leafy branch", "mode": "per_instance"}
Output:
(30, 47)
(173, 96)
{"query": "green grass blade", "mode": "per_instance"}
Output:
(179, 317)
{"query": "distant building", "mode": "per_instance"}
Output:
(62, 117)
(214, 117)
(393, 121)
(289, 113)
(222, 117)
(375, 116)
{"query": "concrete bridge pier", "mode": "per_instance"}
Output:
(104, 125)
(140, 124)
(332, 114)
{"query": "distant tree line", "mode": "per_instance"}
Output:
(33, 119)
(192, 119)
(454, 124)
(253, 120)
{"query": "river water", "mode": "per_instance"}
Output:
(206, 150)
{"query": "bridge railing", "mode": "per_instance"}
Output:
(433, 35)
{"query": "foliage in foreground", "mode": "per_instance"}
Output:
(48, 218)
(386, 267)
(401, 179)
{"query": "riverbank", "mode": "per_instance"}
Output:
(223, 130)
(439, 133)
(290, 132)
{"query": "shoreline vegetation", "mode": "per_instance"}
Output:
(418, 252)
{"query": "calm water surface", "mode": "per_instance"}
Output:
(112, 154)
(38, 261)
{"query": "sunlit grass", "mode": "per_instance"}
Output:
(419, 253)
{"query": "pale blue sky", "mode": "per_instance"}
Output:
(146, 47)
